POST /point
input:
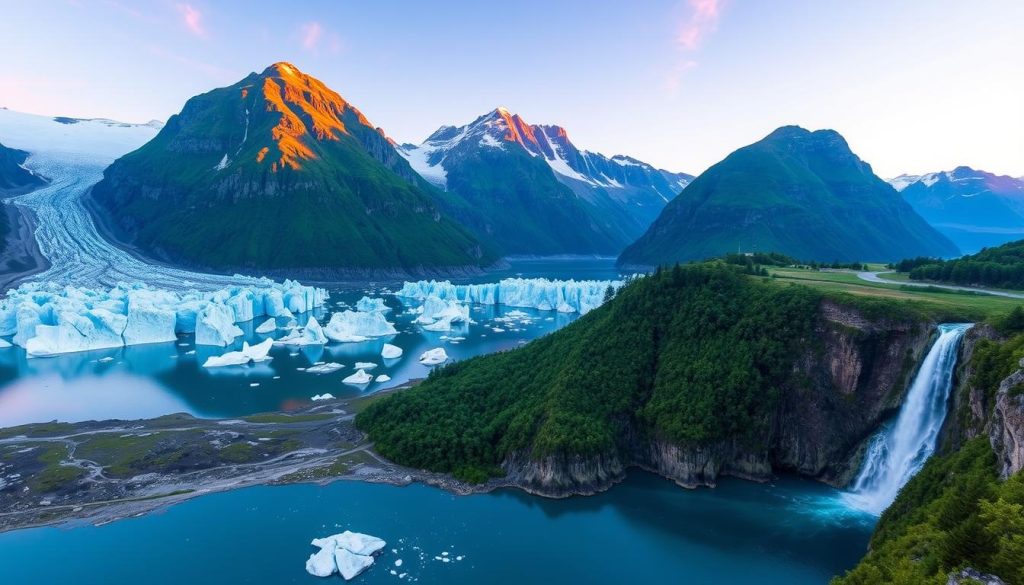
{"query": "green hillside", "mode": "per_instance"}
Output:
(279, 172)
(799, 193)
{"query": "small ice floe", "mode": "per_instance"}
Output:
(250, 353)
(383, 378)
(433, 357)
(326, 368)
(311, 334)
(254, 384)
(268, 326)
(390, 352)
(497, 329)
(105, 360)
(359, 378)
(365, 365)
(325, 396)
(348, 553)
(4, 344)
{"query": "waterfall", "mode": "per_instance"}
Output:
(900, 449)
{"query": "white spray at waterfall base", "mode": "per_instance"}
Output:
(900, 449)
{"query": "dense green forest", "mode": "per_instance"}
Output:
(1001, 267)
(694, 354)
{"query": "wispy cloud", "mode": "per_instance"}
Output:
(193, 19)
(314, 36)
(702, 21)
(311, 33)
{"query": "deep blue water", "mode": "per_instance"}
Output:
(643, 531)
(150, 380)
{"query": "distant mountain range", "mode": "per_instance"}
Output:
(804, 194)
(279, 173)
(973, 208)
(532, 191)
(13, 174)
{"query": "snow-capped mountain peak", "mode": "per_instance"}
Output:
(501, 128)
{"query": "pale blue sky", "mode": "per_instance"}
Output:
(914, 85)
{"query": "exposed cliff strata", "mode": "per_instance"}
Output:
(852, 378)
(1007, 430)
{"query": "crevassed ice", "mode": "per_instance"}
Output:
(47, 319)
(566, 296)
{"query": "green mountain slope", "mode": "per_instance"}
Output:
(800, 193)
(278, 172)
(1000, 267)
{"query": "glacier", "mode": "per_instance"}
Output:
(49, 319)
(565, 296)
(356, 326)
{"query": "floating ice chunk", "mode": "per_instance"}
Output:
(321, 563)
(311, 334)
(350, 565)
(359, 378)
(348, 553)
(215, 325)
(268, 326)
(382, 378)
(369, 305)
(328, 368)
(398, 562)
(4, 344)
(67, 331)
(365, 365)
(390, 352)
(326, 396)
(438, 315)
(433, 357)
(250, 353)
(353, 326)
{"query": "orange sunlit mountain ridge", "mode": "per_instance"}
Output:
(279, 172)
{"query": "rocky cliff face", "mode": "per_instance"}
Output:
(851, 379)
(1007, 430)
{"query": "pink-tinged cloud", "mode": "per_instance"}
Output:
(311, 34)
(702, 21)
(193, 19)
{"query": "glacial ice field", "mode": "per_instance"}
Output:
(72, 157)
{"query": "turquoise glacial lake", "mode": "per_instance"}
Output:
(647, 529)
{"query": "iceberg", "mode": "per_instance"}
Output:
(325, 396)
(433, 357)
(390, 352)
(356, 326)
(268, 326)
(53, 319)
(437, 314)
(215, 325)
(365, 365)
(4, 344)
(371, 305)
(348, 553)
(328, 368)
(250, 353)
(358, 379)
(311, 334)
(568, 296)
(382, 378)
